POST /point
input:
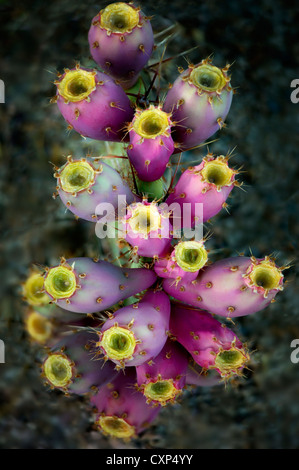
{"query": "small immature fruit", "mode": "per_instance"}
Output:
(93, 104)
(151, 144)
(83, 184)
(87, 286)
(121, 411)
(231, 287)
(199, 101)
(121, 41)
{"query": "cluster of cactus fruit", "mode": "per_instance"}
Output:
(132, 336)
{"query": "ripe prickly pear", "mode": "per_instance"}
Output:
(136, 333)
(151, 144)
(199, 101)
(231, 287)
(209, 184)
(162, 379)
(93, 104)
(121, 411)
(88, 286)
(183, 262)
(121, 41)
(70, 367)
(147, 228)
(211, 344)
(83, 184)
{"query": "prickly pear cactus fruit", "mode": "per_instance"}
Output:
(87, 286)
(162, 380)
(84, 184)
(231, 287)
(131, 329)
(199, 100)
(121, 41)
(151, 143)
(136, 333)
(211, 344)
(93, 104)
(120, 411)
(209, 184)
(146, 227)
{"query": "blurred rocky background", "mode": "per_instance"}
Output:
(261, 39)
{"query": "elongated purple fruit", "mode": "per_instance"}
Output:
(147, 228)
(88, 286)
(121, 411)
(83, 184)
(199, 101)
(183, 262)
(93, 104)
(231, 287)
(70, 366)
(209, 184)
(136, 333)
(162, 379)
(151, 144)
(211, 344)
(121, 41)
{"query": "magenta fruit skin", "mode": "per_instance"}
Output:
(168, 268)
(149, 322)
(103, 285)
(89, 373)
(122, 55)
(156, 243)
(104, 115)
(191, 189)
(107, 188)
(195, 116)
(120, 398)
(221, 288)
(149, 156)
(171, 363)
(201, 334)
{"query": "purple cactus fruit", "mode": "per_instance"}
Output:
(70, 366)
(121, 41)
(83, 184)
(87, 286)
(199, 100)
(136, 333)
(162, 379)
(151, 144)
(231, 287)
(121, 411)
(183, 262)
(147, 228)
(209, 184)
(211, 343)
(93, 104)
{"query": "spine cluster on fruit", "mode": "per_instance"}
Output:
(132, 336)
